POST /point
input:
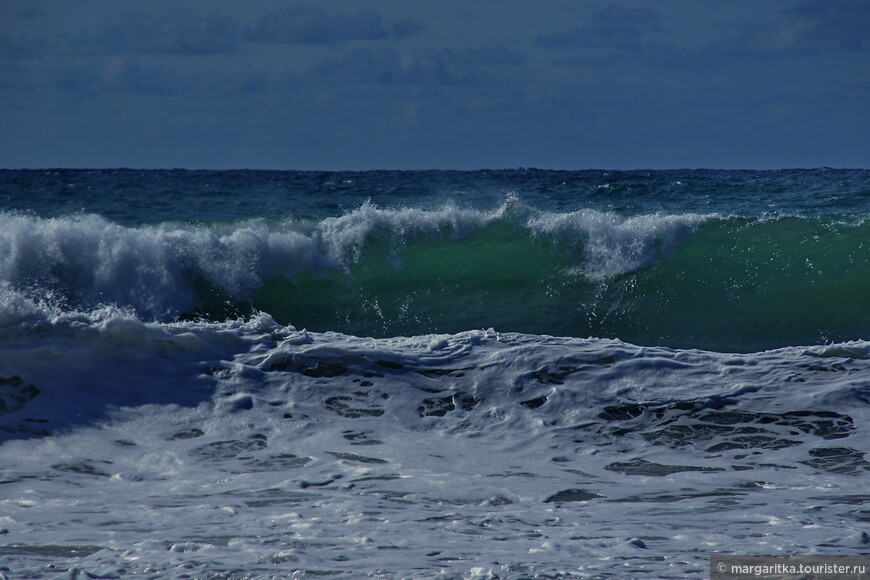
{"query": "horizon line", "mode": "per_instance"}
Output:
(432, 169)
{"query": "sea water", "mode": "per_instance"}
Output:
(491, 374)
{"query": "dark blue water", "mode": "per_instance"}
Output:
(133, 197)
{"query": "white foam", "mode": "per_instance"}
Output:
(612, 245)
(149, 268)
(203, 448)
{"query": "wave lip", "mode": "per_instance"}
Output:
(612, 245)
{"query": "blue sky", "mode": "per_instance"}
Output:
(355, 84)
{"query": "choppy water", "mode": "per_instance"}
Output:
(515, 374)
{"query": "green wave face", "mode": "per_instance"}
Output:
(497, 277)
(740, 285)
(730, 285)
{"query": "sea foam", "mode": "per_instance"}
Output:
(247, 447)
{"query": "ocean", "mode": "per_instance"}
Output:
(431, 374)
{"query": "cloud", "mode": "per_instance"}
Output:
(12, 76)
(243, 78)
(389, 66)
(87, 79)
(614, 28)
(32, 13)
(304, 25)
(66, 81)
(173, 33)
(832, 24)
(813, 27)
(17, 45)
(491, 56)
(405, 29)
(383, 65)
(125, 74)
(615, 15)
(187, 33)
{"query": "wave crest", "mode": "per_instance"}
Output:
(89, 260)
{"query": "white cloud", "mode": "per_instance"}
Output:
(819, 26)
(385, 65)
(304, 25)
(617, 28)
(178, 33)
(18, 45)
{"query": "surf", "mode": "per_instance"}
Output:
(471, 374)
(682, 280)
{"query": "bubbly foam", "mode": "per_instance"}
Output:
(249, 446)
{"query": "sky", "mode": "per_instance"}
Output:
(470, 84)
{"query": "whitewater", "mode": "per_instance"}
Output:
(493, 374)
